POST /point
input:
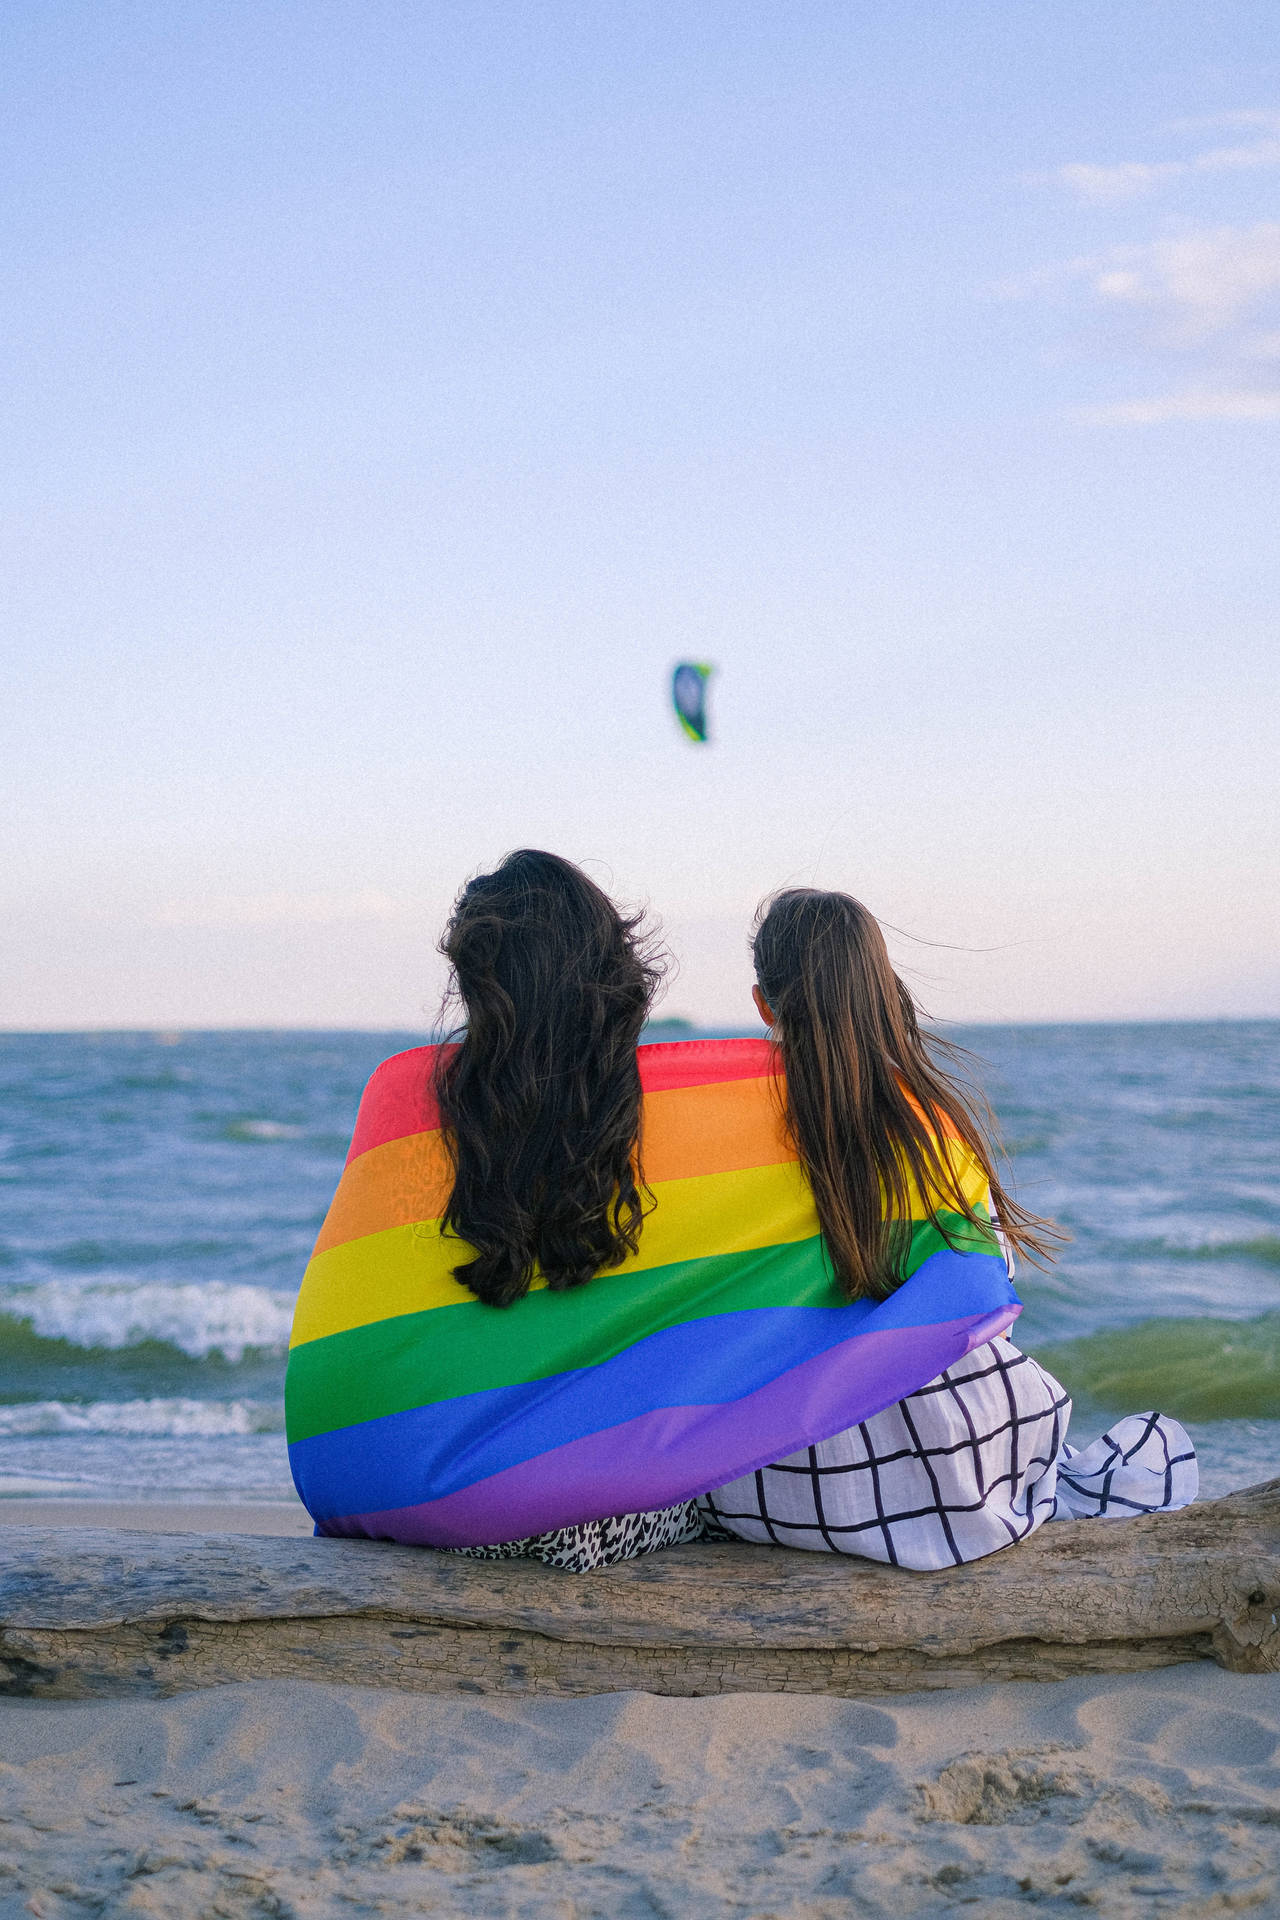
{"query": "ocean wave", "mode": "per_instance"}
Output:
(222, 1317)
(84, 1255)
(1195, 1369)
(1027, 1144)
(1263, 1248)
(259, 1130)
(156, 1419)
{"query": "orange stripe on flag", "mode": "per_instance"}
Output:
(721, 1128)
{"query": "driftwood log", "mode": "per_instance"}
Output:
(88, 1612)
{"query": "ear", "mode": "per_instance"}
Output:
(762, 1006)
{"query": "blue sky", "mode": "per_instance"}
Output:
(393, 392)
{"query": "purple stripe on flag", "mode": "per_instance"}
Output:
(657, 1459)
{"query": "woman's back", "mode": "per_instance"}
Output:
(417, 1411)
(975, 1458)
(567, 1285)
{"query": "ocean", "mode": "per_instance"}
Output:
(160, 1192)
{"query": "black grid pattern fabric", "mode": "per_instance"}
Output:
(968, 1464)
(1145, 1463)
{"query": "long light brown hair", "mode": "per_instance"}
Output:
(869, 1104)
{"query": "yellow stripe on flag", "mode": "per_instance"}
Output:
(406, 1268)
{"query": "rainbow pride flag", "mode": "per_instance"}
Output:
(417, 1413)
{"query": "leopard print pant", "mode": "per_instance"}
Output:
(599, 1543)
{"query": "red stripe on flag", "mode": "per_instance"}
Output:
(400, 1098)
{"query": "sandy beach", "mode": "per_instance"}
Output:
(1155, 1793)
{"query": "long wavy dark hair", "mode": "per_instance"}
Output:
(868, 1096)
(540, 1100)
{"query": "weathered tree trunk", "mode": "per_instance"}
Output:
(90, 1612)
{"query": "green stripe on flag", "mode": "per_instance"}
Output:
(445, 1353)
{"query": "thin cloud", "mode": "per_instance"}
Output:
(1200, 282)
(1129, 180)
(1238, 117)
(1197, 404)
(1099, 184)
(1197, 283)
(1206, 300)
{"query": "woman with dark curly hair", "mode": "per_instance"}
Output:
(540, 1104)
(540, 1099)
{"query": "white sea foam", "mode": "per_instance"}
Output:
(218, 1316)
(24, 1486)
(158, 1419)
(261, 1130)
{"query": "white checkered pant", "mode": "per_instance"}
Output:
(970, 1463)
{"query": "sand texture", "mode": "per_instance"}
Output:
(86, 1613)
(1151, 1794)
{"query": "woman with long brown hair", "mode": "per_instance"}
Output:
(887, 1133)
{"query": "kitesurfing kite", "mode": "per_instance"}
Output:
(689, 697)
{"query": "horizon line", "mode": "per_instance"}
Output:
(167, 1030)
